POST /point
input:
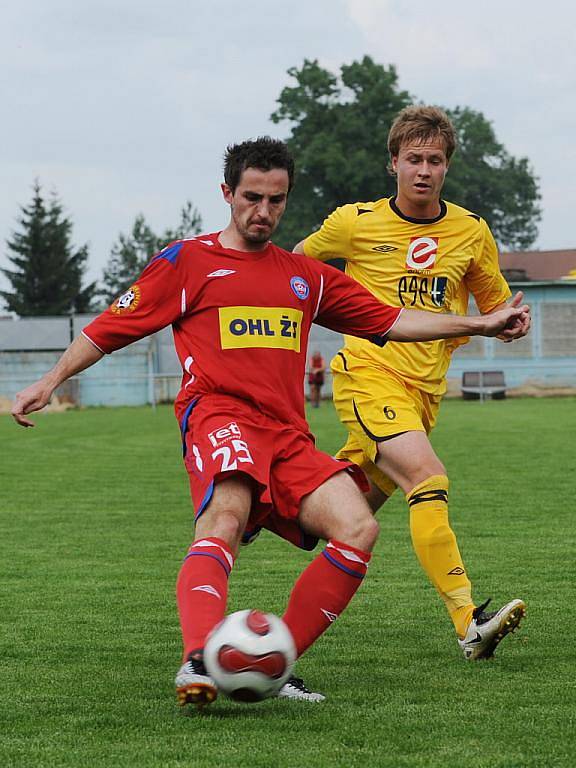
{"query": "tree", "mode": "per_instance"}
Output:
(339, 131)
(338, 139)
(48, 274)
(131, 253)
(485, 178)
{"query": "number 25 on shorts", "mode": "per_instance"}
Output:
(235, 453)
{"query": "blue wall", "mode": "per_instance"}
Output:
(149, 370)
(546, 357)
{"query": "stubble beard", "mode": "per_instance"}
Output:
(257, 238)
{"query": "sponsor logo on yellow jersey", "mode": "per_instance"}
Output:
(271, 327)
(422, 252)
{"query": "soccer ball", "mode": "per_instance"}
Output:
(250, 655)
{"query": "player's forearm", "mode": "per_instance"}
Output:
(415, 325)
(81, 354)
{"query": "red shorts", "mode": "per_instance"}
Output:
(223, 436)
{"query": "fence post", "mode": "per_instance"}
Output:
(150, 366)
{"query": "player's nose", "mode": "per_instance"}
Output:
(263, 210)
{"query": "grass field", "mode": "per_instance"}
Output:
(94, 520)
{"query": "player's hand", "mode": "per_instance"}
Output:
(509, 323)
(516, 302)
(33, 398)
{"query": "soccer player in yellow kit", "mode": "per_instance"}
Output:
(415, 250)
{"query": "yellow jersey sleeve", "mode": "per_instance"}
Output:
(484, 279)
(333, 239)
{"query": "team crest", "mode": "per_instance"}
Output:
(127, 302)
(422, 252)
(300, 287)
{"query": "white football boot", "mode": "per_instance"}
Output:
(486, 630)
(194, 685)
(295, 688)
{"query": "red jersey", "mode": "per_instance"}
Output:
(240, 319)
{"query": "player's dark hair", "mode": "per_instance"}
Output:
(263, 153)
(418, 124)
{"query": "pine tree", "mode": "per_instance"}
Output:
(48, 270)
(132, 252)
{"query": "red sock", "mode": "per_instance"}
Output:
(202, 590)
(323, 590)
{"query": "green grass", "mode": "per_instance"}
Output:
(94, 520)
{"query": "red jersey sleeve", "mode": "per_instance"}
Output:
(347, 307)
(154, 301)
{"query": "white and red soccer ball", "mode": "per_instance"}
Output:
(250, 655)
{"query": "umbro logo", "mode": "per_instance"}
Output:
(221, 273)
(329, 615)
(207, 588)
(384, 248)
(456, 571)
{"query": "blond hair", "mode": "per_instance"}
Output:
(418, 124)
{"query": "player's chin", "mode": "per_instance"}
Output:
(258, 236)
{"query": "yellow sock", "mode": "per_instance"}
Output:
(437, 550)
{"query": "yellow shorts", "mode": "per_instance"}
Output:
(374, 405)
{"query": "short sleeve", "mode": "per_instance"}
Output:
(484, 279)
(150, 304)
(333, 239)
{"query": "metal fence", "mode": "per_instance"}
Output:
(148, 371)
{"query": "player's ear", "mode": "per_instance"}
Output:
(227, 193)
(394, 163)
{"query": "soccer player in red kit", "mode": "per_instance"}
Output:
(239, 306)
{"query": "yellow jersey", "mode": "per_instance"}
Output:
(428, 264)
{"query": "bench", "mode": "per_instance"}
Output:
(478, 385)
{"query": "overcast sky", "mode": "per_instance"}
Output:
(125, 109)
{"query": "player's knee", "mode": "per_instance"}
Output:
(438, 468)
(422, 473)
(231, 526)
(369, 532)
(360, 531)
(221, 524)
